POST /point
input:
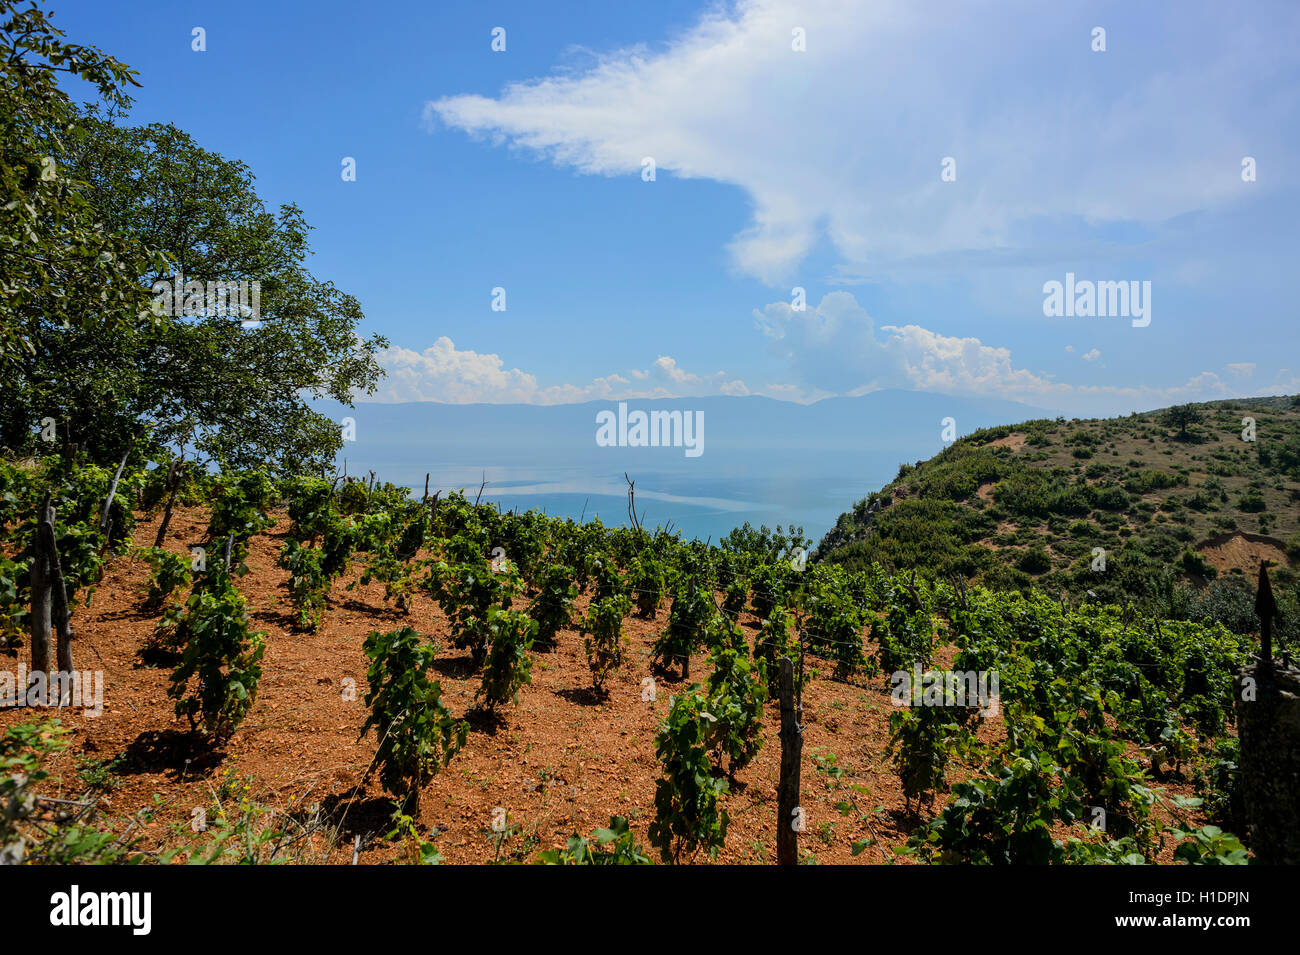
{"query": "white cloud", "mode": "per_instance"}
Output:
(831, 349)
(445, 373)
(845, 140)
(835, 348)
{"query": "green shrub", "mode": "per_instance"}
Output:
(216, 680)
(613, 846)
(508, 665)
(737, 690)
(1034, 560)
(308, 584)
(647, 579)
(689, 815)
(168, 572)
(552, 608)
(692, 613)
(417, 735)
(605, 641)
(1252, 502)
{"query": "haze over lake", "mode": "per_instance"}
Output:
(762, 460)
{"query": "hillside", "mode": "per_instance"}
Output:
(1028, 504)
(292, 783)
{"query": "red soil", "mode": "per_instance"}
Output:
(559, 762)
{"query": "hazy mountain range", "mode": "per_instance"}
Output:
(761, 460)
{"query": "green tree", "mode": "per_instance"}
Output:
(63, 272)
(236, 391)
(1183, 417)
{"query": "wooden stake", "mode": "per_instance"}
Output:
(1266, 610)
(787, 837)
(112, 491)
(42, 602)
(58, 591)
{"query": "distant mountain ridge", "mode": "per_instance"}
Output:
(763, 461)
(879, 420)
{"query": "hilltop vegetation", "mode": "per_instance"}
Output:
(1180, 504)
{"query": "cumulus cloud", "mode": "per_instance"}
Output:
(442, 372)
(845, 141)
(835, 348)
(831, 348)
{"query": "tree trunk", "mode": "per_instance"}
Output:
(173, 483)
(112, 491)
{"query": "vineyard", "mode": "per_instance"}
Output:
(314, 670)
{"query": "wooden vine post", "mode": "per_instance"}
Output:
(1266, 697)
(50, 609)
(41, 619)
(62, 615)
(789, 813)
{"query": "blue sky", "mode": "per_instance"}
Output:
(775, 168)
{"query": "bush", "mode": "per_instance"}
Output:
(1252, 502)
(417, 736)
(688, 798)
(613, 846)
(168, 572)
(552, 608)
(1194, 563)
(692, 613)
(834, 625)
(308, 584)
(770, 588)
(906, 636)
(604, 645)
(239, 511)
(735, 595)
(775, 641)
(737, 690)
(219, 654)
(647, 578)
(920, 741)
(508, 665)
(1035, 560)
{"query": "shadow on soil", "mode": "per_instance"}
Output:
(175, 753)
